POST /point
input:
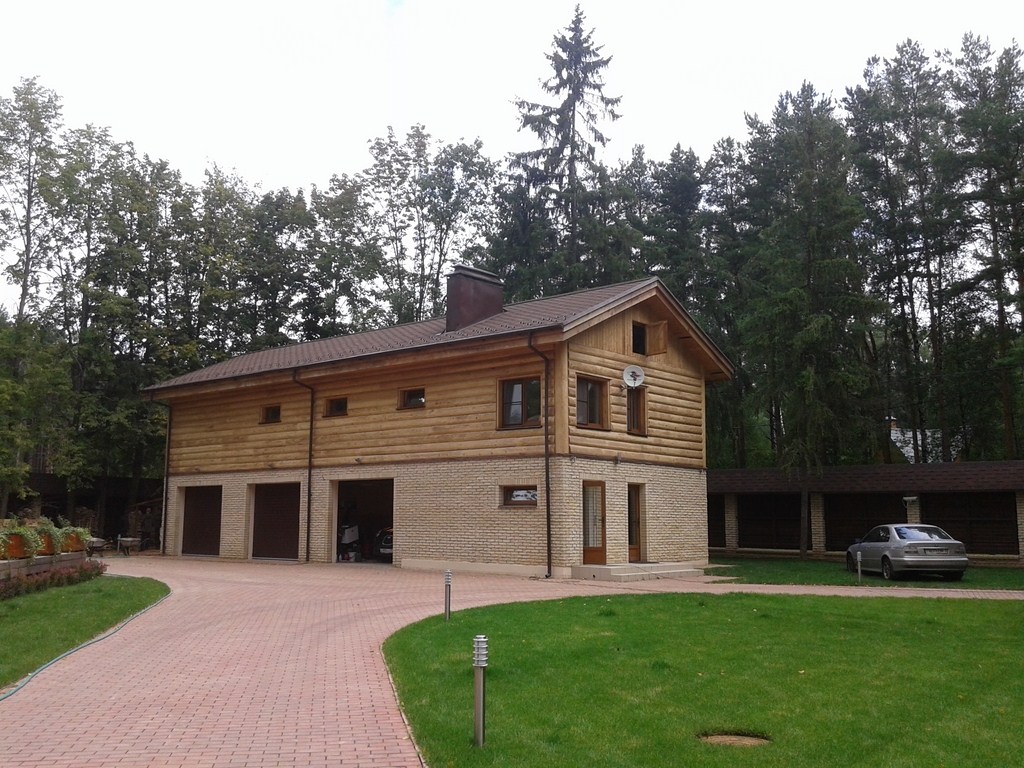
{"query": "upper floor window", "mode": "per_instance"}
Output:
(639, 339)
(636, 411)
(650, 339)
(591, 402)
(520, 403)
(270, 414)
(336, 406)
(412, 398)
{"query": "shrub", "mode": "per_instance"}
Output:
(56, 577)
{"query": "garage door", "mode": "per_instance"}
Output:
(850, 516)
(200, 530)
(768, 520)
(985, 522)
(365, 507)
(275, 523)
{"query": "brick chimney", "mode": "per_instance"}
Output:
(473, 295)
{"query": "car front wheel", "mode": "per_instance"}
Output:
(851, 564)
(887, 572)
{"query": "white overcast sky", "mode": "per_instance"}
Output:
(288, 93)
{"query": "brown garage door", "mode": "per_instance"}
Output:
(200, 529)
(769, 520)
(850, 516)
(985, 522)
(275, 523)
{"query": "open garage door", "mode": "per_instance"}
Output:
(365, 509)
(275, 521)
(200, 528)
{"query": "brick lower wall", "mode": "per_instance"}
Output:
(451, 514)
(236, 508)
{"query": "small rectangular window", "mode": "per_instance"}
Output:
(520, 403)
(412, 398)
(636, 411)
(591, 403)
(270, 414)
(650, 339)
(519, 495)
(336, 406)
(639, 339)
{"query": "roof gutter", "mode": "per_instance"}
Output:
(547, 446)
(309, 457)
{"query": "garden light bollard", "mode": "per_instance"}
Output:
(858, 567)
(447, 595)
(479, 687)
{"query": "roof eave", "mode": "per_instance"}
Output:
(542, 335)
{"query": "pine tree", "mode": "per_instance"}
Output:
(565, 167)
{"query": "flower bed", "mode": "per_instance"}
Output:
(24, 583)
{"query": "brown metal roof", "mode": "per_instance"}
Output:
(876, 478)
(555, 312)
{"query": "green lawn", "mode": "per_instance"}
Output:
(37, 628)
(634, 680)
(780, 570)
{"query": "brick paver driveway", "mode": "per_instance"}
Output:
(261, 664)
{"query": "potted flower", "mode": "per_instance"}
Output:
(51, 537)
(73, 537)
(19, 541)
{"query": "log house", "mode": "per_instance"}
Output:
(515, 438)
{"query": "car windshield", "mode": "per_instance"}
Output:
(921, 533)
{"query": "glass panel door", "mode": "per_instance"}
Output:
(593, 524)
(635, 506)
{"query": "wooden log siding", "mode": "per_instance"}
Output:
(221, 433)
(674, 391)
(218, 430)
(460, 420)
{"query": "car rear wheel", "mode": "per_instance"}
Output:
(851, 564)
(887, 572)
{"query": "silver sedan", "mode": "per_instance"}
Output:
(898, 548)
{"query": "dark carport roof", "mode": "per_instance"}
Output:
(556, 312)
